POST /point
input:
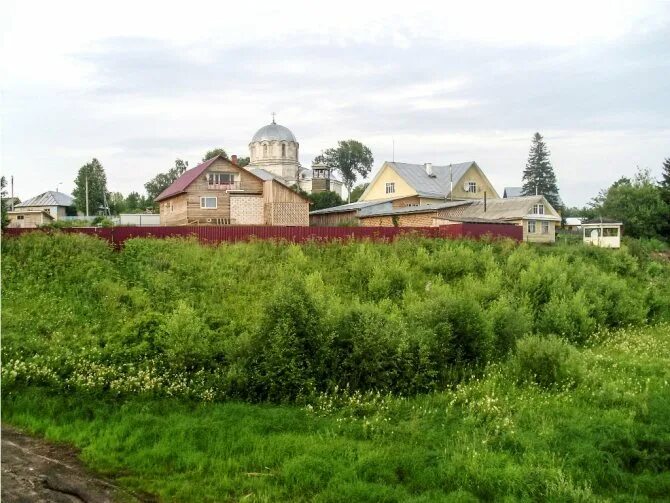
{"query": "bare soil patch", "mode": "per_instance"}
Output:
(36, 471)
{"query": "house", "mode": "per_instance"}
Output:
(512, 192)
(602, 232)
(534, 213)
(419, 184)
(55, 204)
(28, 218)
(573, 224)
(219, 192)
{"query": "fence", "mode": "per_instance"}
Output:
(218, 234)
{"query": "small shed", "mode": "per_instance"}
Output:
(603, 232)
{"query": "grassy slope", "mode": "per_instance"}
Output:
(606, 439)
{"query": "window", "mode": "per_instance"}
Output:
(545, 227)
(216, 179)
(283, 150)
(208, 203)
(472, 187)
(412, 204)
(538, 209)
(531, 226)
(171, 207)
(20, 217)
(390, 188)
(265, 150)
(610, 232)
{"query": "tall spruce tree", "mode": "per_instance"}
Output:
(665, 181)
(539, 177)
(98, 197)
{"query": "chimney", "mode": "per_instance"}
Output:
(429, 169)
(233, 159)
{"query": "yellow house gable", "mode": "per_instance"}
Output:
(378, 186)
(475, 175)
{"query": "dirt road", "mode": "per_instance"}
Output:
(38, 472)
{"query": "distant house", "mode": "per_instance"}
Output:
(534, 213)
(55, 204)
(27, 218)
(418, 184)
(573, 223)
(512, 192)
(219, 192)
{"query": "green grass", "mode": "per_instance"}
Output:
(605, 437)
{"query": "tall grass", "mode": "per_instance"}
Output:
(498, 437)
(283, 322)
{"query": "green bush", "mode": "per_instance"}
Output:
(549, 362)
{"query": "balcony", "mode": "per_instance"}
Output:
(227, 186)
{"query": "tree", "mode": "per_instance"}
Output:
(213, 153)
(243, 161)
(351, 158)
(322, 200)
(97, 188)
(665, 181)
(358, 192)
(3, 202)
(637, 203)
(539, 177)
(163, 180)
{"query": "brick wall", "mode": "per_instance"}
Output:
(246, 210)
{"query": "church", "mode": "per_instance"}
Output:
(275, 149)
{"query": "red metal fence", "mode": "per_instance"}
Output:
(215, 234)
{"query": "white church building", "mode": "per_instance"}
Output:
(275, 149)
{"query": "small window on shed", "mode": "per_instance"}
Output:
(610, 232)
(20, 217)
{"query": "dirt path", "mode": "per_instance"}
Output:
(38, 472)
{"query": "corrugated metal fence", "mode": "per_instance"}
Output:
(215, 234)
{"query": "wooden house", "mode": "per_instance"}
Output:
(219, 192)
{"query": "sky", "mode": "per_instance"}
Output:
(138, 84)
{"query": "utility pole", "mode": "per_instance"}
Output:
(451, 184)
(86, 195)
(11, 204)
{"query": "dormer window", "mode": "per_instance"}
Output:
(390, 188)
(538, 209)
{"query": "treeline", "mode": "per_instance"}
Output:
(263, 321)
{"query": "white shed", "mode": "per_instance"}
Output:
(603, 233)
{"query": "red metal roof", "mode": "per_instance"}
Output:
(187, 178)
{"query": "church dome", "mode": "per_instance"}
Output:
(273, 132)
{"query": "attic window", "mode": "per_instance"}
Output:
(218, 179)
(390, 188)
(538, 209)
(472, 187)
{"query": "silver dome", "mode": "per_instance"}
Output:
(273, 132)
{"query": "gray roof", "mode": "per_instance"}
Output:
(49, 198)
(503, 209)
(273, 132)
(350, 207)
(598, 221)
(266, 175)
(512, 192)
(424, 208)
(426, 186)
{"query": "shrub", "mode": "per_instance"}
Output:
(549, 362)
(186, 341)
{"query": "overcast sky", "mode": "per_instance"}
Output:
(138, 84)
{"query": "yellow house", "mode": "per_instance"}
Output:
(420, 184)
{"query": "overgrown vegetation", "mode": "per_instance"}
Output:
(604, 437)
(279, 322)
(422, 370)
